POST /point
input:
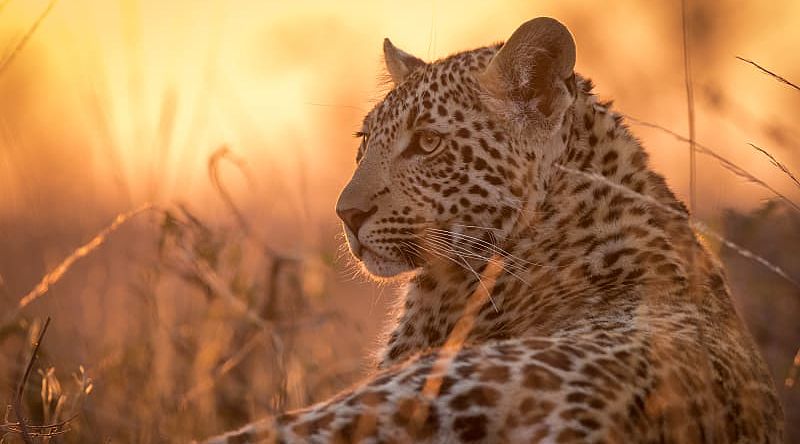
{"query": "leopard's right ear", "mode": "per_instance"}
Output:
(525, 81)
(398, 62)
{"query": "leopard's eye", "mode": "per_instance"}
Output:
(361, 135)
(423, 142)
(429, 140)
(363, 146)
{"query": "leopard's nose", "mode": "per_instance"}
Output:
(354, 218)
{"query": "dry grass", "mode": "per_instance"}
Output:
(699, 226)
(770, 73)
(257, 308)
(265, 312)
(781, 166)
(229, 328)
(791, 379)
(58, 408)
(58, 272)
(687, 75)
(7, 59)
(726, 163)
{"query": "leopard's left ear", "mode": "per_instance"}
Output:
(525, 81)
(398, 62)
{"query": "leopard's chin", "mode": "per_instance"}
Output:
(381, 267)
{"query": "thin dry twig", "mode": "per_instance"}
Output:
(220, 371)
(777, 163)
(687, 75)
(696, 224)
(6, 62)
(58, 272)
(225, 153)
(255, 427)
(770, 73)
(82, 251)
(36, 431)
(744, 252)
(204, 271)
(23, 429)
(456, 339)
(703, 149)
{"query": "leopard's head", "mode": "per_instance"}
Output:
(451, 158)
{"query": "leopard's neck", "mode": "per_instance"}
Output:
(607, 227)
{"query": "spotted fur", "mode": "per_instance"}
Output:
(555, 291)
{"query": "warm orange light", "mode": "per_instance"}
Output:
(145, 90)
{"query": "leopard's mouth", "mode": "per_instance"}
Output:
(381, 266)
(378, 264)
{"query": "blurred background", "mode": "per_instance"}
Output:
(232, 296)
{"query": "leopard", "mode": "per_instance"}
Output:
(553, 287)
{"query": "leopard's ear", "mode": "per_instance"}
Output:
(525, 81)
(398, 62)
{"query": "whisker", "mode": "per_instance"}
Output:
(480, 281)
(412, 249)
(519, 205)
(488, 245)
(478, 227)
(448, 241)
(508, 267)
(434, 251)
(505, 263)
(465, 265)
(444, 245)
(403, 253)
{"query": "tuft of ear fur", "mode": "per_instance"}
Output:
(525, 81)
(398, 62)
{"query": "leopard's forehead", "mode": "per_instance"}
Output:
(448, 81)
